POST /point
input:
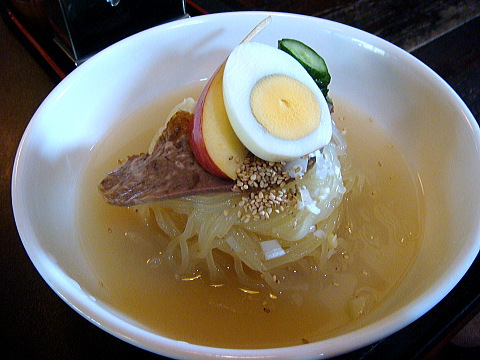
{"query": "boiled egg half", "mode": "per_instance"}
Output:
(274, 106)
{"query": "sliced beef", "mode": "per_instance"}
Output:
(170, 171)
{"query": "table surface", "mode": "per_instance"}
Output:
(36, 323)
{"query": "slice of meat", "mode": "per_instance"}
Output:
(170, 171)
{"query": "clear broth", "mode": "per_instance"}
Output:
(373, 255)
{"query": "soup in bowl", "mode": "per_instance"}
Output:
(401, 231)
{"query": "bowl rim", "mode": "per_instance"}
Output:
(107, 321)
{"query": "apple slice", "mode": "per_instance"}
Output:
(214, 143)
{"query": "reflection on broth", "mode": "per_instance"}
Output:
(381, 225)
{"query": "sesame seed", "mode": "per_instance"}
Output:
(266, 181)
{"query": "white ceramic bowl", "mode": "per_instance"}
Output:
(434, 128)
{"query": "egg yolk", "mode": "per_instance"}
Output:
(285, 107)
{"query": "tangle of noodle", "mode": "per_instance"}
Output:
(197, 225)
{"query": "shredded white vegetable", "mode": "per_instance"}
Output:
(272, 249)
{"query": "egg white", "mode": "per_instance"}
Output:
(246, 65)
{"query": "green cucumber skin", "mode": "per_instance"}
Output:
(310, 60)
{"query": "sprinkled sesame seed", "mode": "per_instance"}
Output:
(266, 182)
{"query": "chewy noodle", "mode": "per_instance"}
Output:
(200, 225)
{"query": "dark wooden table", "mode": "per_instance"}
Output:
(36, 324)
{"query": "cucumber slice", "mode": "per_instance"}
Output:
(310, 60)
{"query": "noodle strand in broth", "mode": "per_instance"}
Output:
(200, 225)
